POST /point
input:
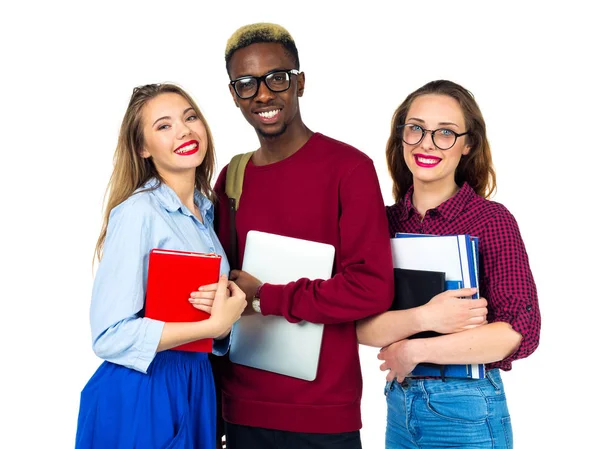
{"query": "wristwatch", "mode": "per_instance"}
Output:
(256, 299)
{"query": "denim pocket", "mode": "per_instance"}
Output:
(464, 404)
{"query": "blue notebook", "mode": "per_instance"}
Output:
(457, 257)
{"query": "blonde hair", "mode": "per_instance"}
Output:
(257, 33)
(130, 170)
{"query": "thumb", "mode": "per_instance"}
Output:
(234, 274)
(235, 289)
(222, 285)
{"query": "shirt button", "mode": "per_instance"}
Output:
(528, 308)
(211, 249)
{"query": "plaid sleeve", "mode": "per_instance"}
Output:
(507, 282)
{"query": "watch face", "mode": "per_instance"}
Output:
(256, 305)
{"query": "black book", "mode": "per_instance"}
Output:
(413, 288)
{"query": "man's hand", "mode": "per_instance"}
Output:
(249, 284)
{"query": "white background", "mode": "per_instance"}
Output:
(67, 74)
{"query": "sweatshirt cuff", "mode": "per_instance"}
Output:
(270, 299)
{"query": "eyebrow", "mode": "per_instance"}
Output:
(168, 116)
(439, 124)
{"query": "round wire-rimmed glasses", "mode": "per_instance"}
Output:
(443, 138)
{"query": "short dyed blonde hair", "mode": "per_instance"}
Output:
(261, 32)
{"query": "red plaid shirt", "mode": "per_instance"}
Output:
(505, 278)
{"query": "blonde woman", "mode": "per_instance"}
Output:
(144, 394)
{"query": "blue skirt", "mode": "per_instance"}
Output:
(173, 406)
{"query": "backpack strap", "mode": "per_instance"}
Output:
(234, 182)
(235, 176)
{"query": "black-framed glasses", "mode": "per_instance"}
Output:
(276, 80)
(443, 138)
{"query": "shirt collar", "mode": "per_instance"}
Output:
(454, 205)
(407, 208)
(449, 209)
(169, 200)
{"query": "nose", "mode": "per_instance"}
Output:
(184, 131)
(264, 94)
(427, 141)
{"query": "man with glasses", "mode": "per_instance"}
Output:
(304, 185)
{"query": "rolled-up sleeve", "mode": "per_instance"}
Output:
(119, 332)
(508, 282)
(221, 347)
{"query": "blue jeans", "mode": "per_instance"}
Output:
(455, 413)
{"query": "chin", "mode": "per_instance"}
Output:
(272, 134)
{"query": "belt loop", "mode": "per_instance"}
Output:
(389, 386)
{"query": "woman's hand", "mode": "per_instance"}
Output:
(203, 298)
(228, 305)
(398, 360)
(453, 311)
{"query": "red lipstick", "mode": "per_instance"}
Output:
(432, 161)
(193, 144)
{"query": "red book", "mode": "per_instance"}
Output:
(172, 276)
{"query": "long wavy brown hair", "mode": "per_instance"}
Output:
(476, 168)
(130, 170)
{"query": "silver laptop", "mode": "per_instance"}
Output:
(272, 343)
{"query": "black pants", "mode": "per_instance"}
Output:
(244, 437)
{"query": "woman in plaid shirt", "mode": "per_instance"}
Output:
(440, 161)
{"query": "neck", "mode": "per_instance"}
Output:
(278, 148)
(183, 185)
(429, 196)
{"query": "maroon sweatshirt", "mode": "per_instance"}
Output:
(326, 192)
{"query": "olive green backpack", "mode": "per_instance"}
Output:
(233, 188)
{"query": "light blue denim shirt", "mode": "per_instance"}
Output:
(148, 219)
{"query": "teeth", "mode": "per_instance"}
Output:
(427, 161)
(269, 114)
(186, 148)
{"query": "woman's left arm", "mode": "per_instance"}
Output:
(507, 282)
(484, 344)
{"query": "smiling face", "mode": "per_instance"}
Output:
(270, 113)
(427, 163)
(174, 136)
